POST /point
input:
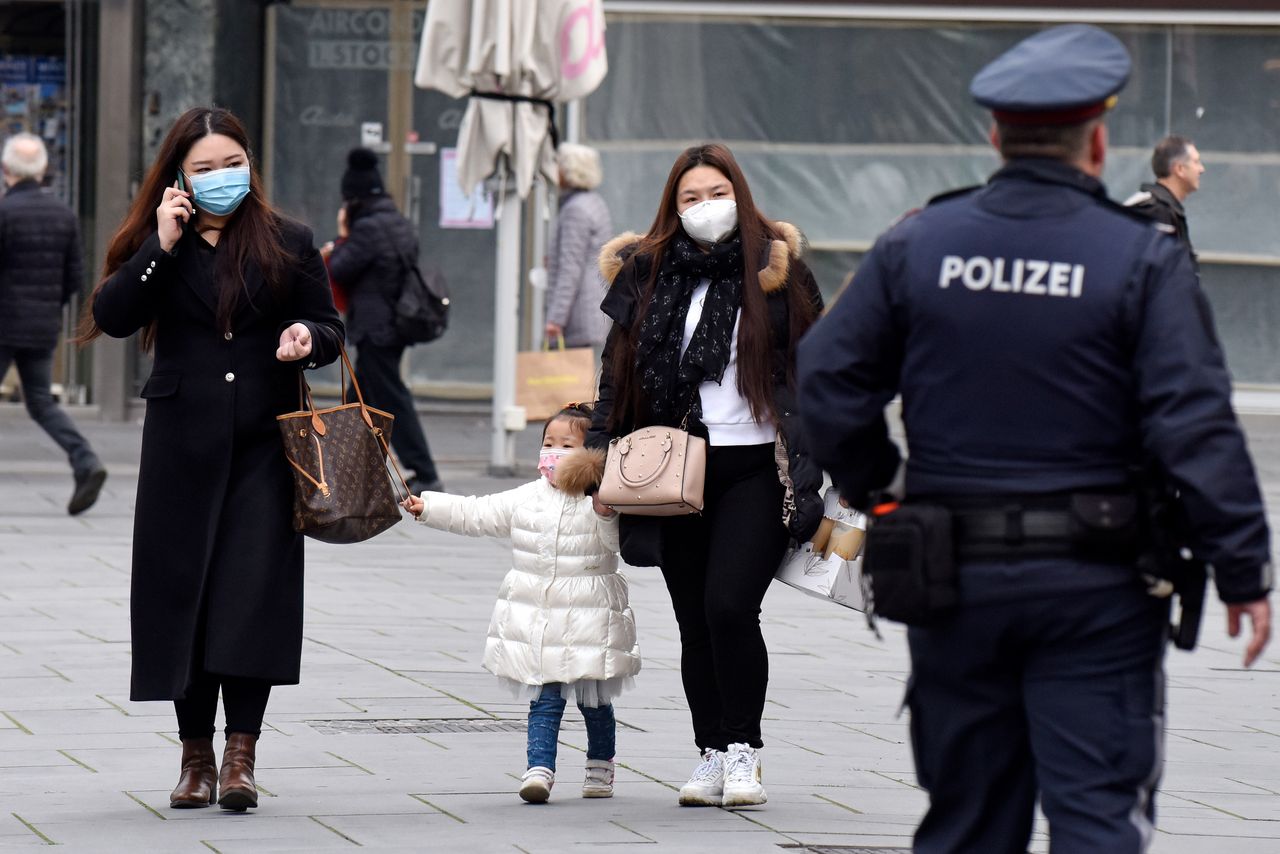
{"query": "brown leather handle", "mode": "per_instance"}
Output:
(306, 404)
(355, 384)
(345, 370)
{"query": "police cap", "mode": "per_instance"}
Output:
(1060, 76)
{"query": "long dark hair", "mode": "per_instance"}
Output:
(754, 333)
(251, 236)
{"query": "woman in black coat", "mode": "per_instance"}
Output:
(707, 310)
(233, 301)
(372, 259)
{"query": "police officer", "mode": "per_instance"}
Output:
(1044, 342)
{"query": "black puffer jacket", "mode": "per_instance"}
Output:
(41, 266)
(369, 265)
(781, 271)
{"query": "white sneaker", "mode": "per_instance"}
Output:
(742, 777)
(535, 785)
(598, 782)
(706, 787)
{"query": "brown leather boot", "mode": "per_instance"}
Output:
(235, 780)
(198, 784)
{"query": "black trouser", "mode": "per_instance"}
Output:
(35, 368)
(244, 701)
(378, 371)
(717, 566)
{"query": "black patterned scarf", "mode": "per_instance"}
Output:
(669, 381)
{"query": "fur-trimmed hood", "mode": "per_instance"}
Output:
(580, 471)
(773, 276)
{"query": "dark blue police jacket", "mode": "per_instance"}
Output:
(1043, 340)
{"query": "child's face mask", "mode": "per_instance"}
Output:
(548, 458)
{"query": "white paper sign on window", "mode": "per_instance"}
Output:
(456, 209)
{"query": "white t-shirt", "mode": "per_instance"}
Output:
(725, 412)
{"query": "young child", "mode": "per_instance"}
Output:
(561, 627)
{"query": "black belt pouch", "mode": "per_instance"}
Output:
(910, 556)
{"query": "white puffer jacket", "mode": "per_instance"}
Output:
(562, 612)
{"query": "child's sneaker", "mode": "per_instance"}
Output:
(535, 785)
(598, 782)
(706, 787)
(742, 777)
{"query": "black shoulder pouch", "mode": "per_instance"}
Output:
(910, 558)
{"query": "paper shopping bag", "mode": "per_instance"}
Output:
(548, 379)
(830, 565)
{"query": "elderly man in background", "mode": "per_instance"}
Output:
(41, 266)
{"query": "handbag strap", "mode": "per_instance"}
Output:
(307, 404)
(345, 371)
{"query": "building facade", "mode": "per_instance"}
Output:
(844, 116)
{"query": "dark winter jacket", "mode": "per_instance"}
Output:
(41, 266)
(369, 265)
(213, 519)
(781, 271)
(1157, 202)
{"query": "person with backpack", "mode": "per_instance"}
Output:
(375, 258)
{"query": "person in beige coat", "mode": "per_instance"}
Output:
(562, 626)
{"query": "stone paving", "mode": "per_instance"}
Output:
(396, 740)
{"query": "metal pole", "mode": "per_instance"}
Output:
(541, 205)
(507, 418)
(573, 121)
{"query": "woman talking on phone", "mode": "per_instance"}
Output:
(707, 309)
(232, 300)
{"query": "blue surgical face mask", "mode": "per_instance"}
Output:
(221, 191)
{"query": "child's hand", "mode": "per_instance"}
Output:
(414, 504)
(601, 508)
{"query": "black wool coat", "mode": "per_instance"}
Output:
(217, 567)
(41, 266)
(370, 264)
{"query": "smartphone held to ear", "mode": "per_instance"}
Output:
(182, 185)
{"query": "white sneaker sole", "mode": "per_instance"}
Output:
(699, 798)
(535, 792)
(597, 792)
(744, 797)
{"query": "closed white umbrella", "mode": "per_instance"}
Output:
(515, 58)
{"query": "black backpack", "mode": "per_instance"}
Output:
(422, 309)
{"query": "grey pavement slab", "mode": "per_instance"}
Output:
(395, 628)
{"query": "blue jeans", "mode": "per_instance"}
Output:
(544, 728)
(35, 369)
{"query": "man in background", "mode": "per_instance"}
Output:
(1176, 164)
(41, 266)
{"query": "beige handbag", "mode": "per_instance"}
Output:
(655, 471)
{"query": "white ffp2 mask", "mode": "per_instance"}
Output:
(710, 221)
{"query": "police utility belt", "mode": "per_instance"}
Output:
(912, 548)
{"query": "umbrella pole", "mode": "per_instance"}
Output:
(508, 419)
